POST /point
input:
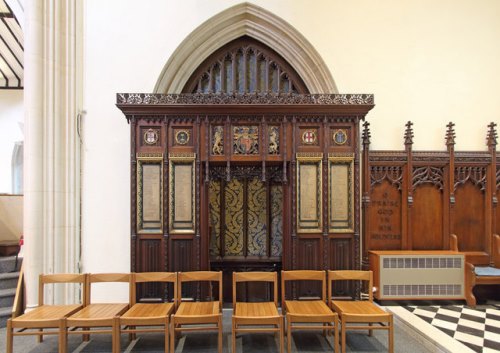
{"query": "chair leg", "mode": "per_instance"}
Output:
(172, 335)
(370, 332)
(391, 335)
(10, 338)
(132, 336)
(289, 334)
(282, 333)
(167, 335)
(40, 337)
(343, 335)
(219, 341)
(336, 335)
(86, 337)
(233, 336)
(115, 335)
(63, 336)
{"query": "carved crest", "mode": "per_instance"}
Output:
(245, 140)
(309, 137)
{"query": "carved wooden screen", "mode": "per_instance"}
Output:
(245, 66)
(414, 200)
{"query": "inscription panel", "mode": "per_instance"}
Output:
(149, 195)
(309, 200)
(341, 194)
(182, 195)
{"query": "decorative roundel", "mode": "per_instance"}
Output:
(182, 137)
(309, 137)
(340, 137)
(151, 137)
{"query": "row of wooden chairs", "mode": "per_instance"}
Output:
(183, 315)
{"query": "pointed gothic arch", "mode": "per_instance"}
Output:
(245, 20)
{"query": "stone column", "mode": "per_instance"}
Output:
(53, 82)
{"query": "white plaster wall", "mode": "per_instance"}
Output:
(11, 116)
(429, 61)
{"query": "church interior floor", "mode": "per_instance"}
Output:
(419, 328)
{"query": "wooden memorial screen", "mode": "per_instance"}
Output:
(414, 200)
(244, 181)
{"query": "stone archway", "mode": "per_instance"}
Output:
(258, 23)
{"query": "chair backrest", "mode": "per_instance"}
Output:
(149, 277)
(44, 279)
(271, 277)
(350, 275)
(302, 275)
(106, 278)
(199, 276)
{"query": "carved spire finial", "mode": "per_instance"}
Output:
(492, 134)
(409, 133)
(366, 133)
(450, 134)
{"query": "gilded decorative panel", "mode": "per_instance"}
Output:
(217, 140)
(214, 205)
(276, 220)
(246, 140)
(149, 194)
(309, 186)
(257, 224)
(182, 193)
(341, 193)
(233, 239)
(274, 140)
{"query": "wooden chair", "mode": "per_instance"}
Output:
(357, 312)
(308, 314)
(105, 316)
(199, 316)
(148, 314)
(45, 316)
(256, 314)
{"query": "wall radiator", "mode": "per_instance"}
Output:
(418, 275)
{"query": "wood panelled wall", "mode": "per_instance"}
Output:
(414, 200)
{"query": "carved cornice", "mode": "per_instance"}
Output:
(428, 174)
(393, 174)
(477, 175)
(388, 156)
(473, 157)
(257, 98)
(274, 174)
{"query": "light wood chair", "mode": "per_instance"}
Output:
(259, 313)
(148, 316)
(308, 314)
(45, 316)
(198, 316)
(359, 312)
(104, 317)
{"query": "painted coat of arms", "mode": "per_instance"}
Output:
(245, 139)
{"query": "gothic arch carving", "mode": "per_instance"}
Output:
(258, 23)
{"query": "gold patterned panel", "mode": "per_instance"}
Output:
(214, 205)
(276, 220)
(309, 193)
(257, 228)
(234, 218)
(341, 193)
(149, 193)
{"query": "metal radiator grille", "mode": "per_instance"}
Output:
(413, 290)
(423, 262)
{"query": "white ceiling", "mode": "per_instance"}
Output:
(11, 49)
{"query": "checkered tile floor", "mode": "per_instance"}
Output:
(478, 329)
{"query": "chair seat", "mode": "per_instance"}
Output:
(94, 314)
(361, 308)
(198, 309)
(256, 310)
(143, 311)
(45, 313)
(308, 308)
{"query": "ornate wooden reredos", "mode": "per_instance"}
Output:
(245, 181)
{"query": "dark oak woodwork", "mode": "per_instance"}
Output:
(414, 200)
(196, 115)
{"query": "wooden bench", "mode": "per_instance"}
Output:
(478, 274)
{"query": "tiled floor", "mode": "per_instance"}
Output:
(456, 327)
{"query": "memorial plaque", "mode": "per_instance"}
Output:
(341, 195)
(385, 217)
(149, 195)
(182, 197)
(309, 194)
